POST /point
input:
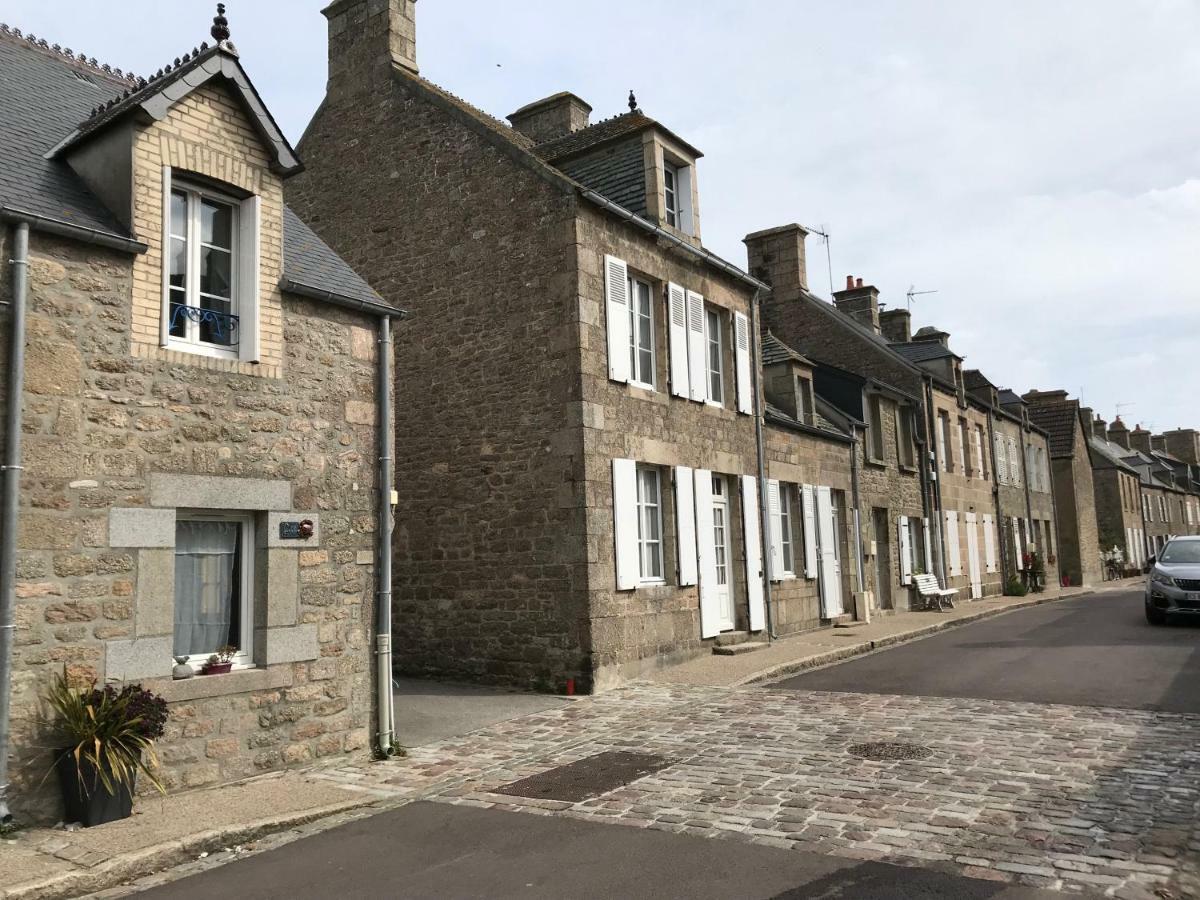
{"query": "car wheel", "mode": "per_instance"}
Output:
(1155, 616)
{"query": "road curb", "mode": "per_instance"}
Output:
(168, 854)
(780, 670)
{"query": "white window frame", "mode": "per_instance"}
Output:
(195, 194)
(787, 547)
(671, 208)
(245, 656)
(635, 347)
(644, 543)
(712, 315)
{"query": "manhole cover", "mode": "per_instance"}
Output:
(586, 778)
(885, 751)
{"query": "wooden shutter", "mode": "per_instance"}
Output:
(775, 543)
(742, 357)
(754, 567)
(941, 444)
(249, 253)
(989, 543)
(625, 524)
(680, 377)
(905, 551)
(972, 523)
(685, 524)
(831, 587)
(1014, 461)
(808, 501)
(953, 548)
(977, 447)
(616, 303)
(710, 612)
(1017, 548)
(697, 348)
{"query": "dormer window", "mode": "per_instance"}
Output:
(671, 190)
(210, 269)
(202, 306)
(677, 195)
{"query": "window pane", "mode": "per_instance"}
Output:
(216, 224)
(207, 586)
(217, 329)
(178, 214)
(178, 321)
(178, 262)
(216, 272)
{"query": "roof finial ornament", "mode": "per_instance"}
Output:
(220, 27)
(632, 102)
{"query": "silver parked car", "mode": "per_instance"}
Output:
(1173, 586)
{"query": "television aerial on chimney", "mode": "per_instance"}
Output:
(913, 292)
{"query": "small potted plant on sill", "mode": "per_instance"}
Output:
(107, 736)
(221, 661)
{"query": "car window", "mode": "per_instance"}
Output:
(1181, 552)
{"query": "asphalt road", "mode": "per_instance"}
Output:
(1091, 651)
(433, 850)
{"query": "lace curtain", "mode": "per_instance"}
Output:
(206, 588)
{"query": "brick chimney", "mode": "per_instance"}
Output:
(1183, 444)
(896, 325)
(1139, 439)
(367, 35)
(860, 302)
(553, 117)
(1118, 433)
(776, 256)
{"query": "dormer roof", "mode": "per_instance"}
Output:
(604, 131)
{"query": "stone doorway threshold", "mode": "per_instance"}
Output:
(431, 711)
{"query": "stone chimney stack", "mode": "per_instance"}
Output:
(1183, 444)
(1118, 433)
(777, 257)
(1158, 442)
(896, 325)
(933, 335)
(860, 302)
(1100, 428)
(1087, 415)
(554, 117)
(367, 36)
(1139, 439)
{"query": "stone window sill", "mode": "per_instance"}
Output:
(239, 681)
(911, 470)
(875, 463)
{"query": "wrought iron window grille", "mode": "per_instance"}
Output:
(220, 323)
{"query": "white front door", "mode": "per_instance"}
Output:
(973, 555)
(721, 551)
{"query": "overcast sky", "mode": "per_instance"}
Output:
(1036, 162)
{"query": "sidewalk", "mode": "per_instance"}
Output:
(828, 645)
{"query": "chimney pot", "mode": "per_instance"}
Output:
(849, 282)
(858, 282)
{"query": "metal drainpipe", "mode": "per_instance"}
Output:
(931, 419)
(10, 469)
(1028, 501)
(383, 603)
(996, 493)
(858, 544)
(764, 515)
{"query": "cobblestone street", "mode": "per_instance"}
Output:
(1074, 798)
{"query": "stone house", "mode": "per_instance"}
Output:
(1121, 504)
(1020, 461)
(198, 456)
(1184, 468)
(1071, 475)
(1164, 502)
(578, 389)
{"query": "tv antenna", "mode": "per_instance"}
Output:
(1121, 406)
(823, 231)
(913, 292)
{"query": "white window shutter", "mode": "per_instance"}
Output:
(680, 378)
(754, 567)
(953, 550)
(625, 524)
(989, 543)
(616, 303)
(808, 501)
(697, 348)
(928, 547)
(775, 550)
(830, 584)
(685, 524)
(249, 254)
(941, 445)
(1017, 548)
(905, 551)
(742, 354)
(977, 442)
(710, 611)
(164, 324)
(1014, 461)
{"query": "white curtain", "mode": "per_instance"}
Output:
(205, 586)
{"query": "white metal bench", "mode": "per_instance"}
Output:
(931, 592)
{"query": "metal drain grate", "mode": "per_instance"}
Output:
(586, 778)
(887, 751)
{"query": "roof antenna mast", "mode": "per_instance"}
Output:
(913, 292)
(823, 231)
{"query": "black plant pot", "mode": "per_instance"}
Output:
(86, 800)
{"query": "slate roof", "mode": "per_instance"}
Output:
(617, 171)
(974, 379)
(924, 351)
(603, 131)
(1114, 455)
(820, 423)
(1009, 397)
(1060, 421)
(776, 351)
(46, 96)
